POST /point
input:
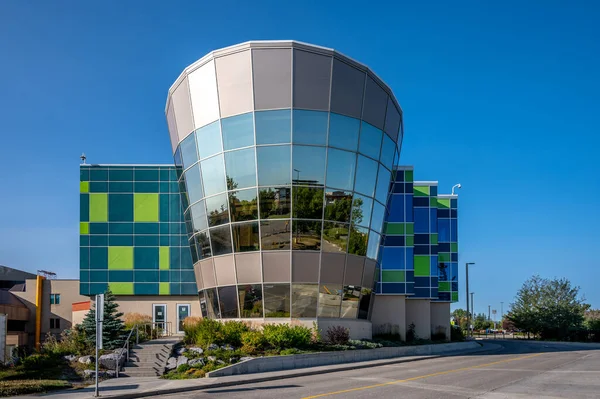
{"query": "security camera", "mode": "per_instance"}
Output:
(83, 158)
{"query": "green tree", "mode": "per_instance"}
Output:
(548, 307)
(460, 318)
(113, 329)
(481, 322)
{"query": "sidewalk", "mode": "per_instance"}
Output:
(131, 387)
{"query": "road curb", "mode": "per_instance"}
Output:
(299, 373)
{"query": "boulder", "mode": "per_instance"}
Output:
(243, 359)
(220, 362)
(212, 358)
(70, 358)
(86, 359)
(111, 361)
(101, 373)
(171, 363)
(196, 350)
(212, 347)
(180, 351)
(228, 347)
(181, 360)
(234, 359)
(196, 362)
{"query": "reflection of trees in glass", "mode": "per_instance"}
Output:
(338, 206)
(218, 216)
(308, 202)
(203, 245)
(250, 301)
(336, 235)
(245, 237)
(357, 211)
(307, 234)
(443, 271)
(357, 244)
(274, 203)
(241, 209)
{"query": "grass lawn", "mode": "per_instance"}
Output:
(22, 387)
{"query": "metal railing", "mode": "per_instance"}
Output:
(156, 330)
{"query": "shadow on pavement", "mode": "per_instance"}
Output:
(232, 390)
(515, 347)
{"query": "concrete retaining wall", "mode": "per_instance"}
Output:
(278, 363)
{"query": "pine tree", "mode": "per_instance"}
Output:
(113, 329)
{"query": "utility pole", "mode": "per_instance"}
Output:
(467, 289)
(501, 311)
(472, 307)
(489, 312)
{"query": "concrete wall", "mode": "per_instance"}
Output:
(389, 315)
(418, 312)
(143, 305)
(440, 318)
(359, 329)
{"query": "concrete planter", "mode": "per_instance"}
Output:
(291, 362)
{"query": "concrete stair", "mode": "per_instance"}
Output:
(149, 359)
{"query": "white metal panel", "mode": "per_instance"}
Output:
(234, 79)
(183, 110)
(204, 95)
(172, 126)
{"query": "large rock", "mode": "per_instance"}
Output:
(181, 360)
(212, 347)
(171, 363)
(228, 347)
(101, 374)
(212, 358)
(111, 361)
(70, 358)
(196, 362)
(86, 359)
(196, 350)
(180, 351)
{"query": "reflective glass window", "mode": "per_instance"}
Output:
(335, 237)
(308, 165)
(245, 237)
(276, 300)
(378, 217)
(275, 235)
(393, 258)
(340, 169)
(338, 205)
(310, 127)
(383, 185)
(250, 296)
(304, 300)
(188, 151)
(193, 250)
(193, 184)
(443, 230)
(343, 132)
(212, 303)
(177, 157)
(273, 127)
(241, 169)
(213, 175)
(330, 300)
(433, 220)
(388, 149)
(350, 302)
(199, 221)
(209, 140)
(217, 210)
(366, 176)
(370, 140)
(243, 205)
(228, 302)
(361, 210)
(307, 235)
(373, 245)
(203, 245)
(357, 244)
(421, 220)
(453, 230)
(274, 202)
(238, 131)
(202, 299)
(364, 303)
(274, 165)
(220, 238)
(307, 202)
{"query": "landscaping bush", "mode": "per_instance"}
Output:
(411, 335)
(359, 344)
(71, 342)
(337, 335)
(252, 342)
(281, 336)
(22, 387)
(232, 332)
(202, 332)
(456, 334)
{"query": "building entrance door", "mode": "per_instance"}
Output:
(159, 317)
(183, 311)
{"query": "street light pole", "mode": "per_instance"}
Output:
(472, 305)
(489, 312)
(501, 311)
(467, 287)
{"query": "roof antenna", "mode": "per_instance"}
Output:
(83, 158)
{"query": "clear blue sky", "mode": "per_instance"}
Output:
(502, 98)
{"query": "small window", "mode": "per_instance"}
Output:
(54, 324)
(54, 299)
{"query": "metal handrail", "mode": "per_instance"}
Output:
(164, 326)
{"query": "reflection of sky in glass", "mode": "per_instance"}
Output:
(343, 132)
(273, 165)
(194, 186)
(383, 185)
(188, 151)
(213, 175)
(378, 216)
(199, 216)
(373, 245)
(340, 169)
(388, 149)
(273, 127)
(366, 175)
(209, 140)
(361, 210)
(238, 131)
(308, 164)
(240, 167)
(370, 140)
(310, 127)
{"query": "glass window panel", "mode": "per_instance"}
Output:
(228, 302)
(177, 157)
(194, 184)
(383, 185)
(310, 127)
(350, 302)
(361, 210)
(274, 166)
(209, 140)
(378, 217)
(250, 296)
(307, 235)
(238, 131)
(188, 151)
(340, 169)
(241, 169)
(308, 165)
(274, 202)
(199, 221)
(335, 237)
(433, 220)
(220, 238)
(203, 245)
(273, 127)
(443, 230)
(307, 202)
(373, 245)
(213, 175)
(365, 301)
(357, 244)
(388, 150)
(275, 235)
(245, 237)
(421, 220)
(243, 205)
(276, 300)
(304, 300)
(217, 210)
(338, 205)
(343, 132)
(185, 200)
(366, 176)
(370, 140)
(330, 300)
(212, 303)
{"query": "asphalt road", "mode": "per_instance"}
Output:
(518, 370)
